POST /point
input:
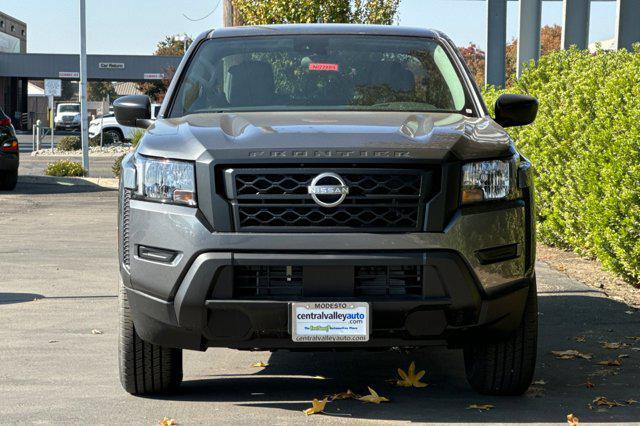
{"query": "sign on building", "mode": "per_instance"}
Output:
(52, 87)
(111, 65)
(68, 74)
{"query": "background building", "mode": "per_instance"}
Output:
(13, 39)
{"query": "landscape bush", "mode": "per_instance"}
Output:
(69, 143)
(585, 148)
(64, 168)
(117, 165)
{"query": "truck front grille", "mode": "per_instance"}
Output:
(264, 282)
(379, 199)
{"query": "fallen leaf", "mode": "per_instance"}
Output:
(589, 385)
(633, 337)
(319, 377)
(540, 382)
(166, 422)
(373, 397)
(614, 345)
(260, 364)
(411, 378)
(635, 349)
(345, 395)
(316, 407)
(631, 401)
(53, 341)
(573, 420)
(480, 407)
(580, 339)
(570, 354)
(602, 401)
(535, 392)
(629, 312)
(623, 356)
(611, 362)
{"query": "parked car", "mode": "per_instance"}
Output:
(115, 131)
(361, 197)
(9, 154)
(67, 116)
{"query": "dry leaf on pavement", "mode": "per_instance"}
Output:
(570, 354)
(589, 385)
(572, 420)
(345, 395)
(614, 345)
(611, 362)
(96, 331)
(260, 364)
(316, 407)
(580, 339)
(480, 407)
(631, 401)
(166, 422)
(602, 401)
(540, 382)
(319, 377)
(373, 397)
(411, 378)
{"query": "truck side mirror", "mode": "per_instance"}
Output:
(515, 110)
(133, 111)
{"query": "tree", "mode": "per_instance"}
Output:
(550, 37)
(262, 12)
(98, 90)
(170, 46)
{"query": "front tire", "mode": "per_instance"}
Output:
(8, 180)
(506, 367)
(145, 368)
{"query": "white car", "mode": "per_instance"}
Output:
(67, 116)
(110, 126)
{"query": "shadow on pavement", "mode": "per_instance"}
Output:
(51, 186)
(9, 298)
(289, 383)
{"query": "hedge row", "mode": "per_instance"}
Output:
(585, 147)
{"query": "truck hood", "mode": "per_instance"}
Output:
(323, 135)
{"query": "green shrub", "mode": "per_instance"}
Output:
(69, 143)
(585, 147)
(117, 166)
(64, 168)
(137, 135)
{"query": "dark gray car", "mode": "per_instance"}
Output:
(314, 187)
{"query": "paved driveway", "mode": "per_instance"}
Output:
(59, 281)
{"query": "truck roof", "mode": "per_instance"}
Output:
(285, 29)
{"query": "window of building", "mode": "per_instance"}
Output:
(13, 28)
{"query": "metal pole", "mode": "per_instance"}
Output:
(627, 28)
(575, 27)
(529, 34)
(84, 131)
(51, 119)
(495, 62)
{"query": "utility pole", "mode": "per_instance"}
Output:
(84, 131)
(227, 13)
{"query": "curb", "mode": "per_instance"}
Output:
(111, 183)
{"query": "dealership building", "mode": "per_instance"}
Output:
(13, 39)
(17, 67)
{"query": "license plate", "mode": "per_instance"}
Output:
(330, 322)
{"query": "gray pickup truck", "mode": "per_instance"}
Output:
(326, 187)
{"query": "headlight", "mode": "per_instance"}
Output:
(487, 180)
(166, 181)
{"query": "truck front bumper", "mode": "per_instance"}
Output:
(475, 278)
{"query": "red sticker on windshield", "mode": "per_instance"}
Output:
(323, 67)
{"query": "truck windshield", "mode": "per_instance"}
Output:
(68, 108)
(321, 72)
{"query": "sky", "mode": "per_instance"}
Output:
(135, 26)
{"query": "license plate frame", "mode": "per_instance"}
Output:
(331, 327)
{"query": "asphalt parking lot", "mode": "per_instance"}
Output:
(59, 282)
